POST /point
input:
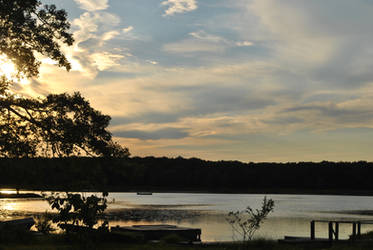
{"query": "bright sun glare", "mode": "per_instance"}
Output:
(8, 69)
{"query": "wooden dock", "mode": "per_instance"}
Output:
(333, 231)
(157, 232)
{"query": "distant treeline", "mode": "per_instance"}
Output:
(179, 174)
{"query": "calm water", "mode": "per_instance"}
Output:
(291, 216)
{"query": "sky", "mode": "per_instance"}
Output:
(249, 80)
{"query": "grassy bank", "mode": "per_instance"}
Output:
(265, 245)
(64, 242)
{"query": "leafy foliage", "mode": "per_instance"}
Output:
(58, 125)
(248, 221)
(74, 209)
(27, 28)
(43, 223)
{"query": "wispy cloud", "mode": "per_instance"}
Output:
(105, 60)
(202, 41)
(179, 6)
(127, 29)
(90, 53)
(203, 35)
(164, 133)
(152, 62)
(110, 35)
(244, 44)
(192, 46)
(93, 5)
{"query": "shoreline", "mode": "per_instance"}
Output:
(33, 193)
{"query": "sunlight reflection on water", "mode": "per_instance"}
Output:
(8, 191)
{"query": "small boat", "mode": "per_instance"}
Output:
(144, 193)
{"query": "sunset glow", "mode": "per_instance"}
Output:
(8, 69)
(250, 80)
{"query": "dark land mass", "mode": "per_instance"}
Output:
(186, 175)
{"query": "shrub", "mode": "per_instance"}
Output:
(248, 221)
(43, 223)
(75, 210)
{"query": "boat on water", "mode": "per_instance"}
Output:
(144, 193)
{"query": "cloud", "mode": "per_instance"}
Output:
(93, 5)
(192, 46)
(127, 29)
(179, 6)
(212, 99)
(244, 44)
(105, 60)
(110, 35)
(153, 117)
(91, 52)
(284, 120)
(201, 41)
(336, 115)
(89, 25)
(152, 62)
(250, 80)
(164, 133)
(203, 35)
(129, 34)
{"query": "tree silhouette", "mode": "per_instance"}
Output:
(58, 125)
(27, 28)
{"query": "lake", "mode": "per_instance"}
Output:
(291, 216)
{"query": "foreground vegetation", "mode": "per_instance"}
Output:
(64, 242)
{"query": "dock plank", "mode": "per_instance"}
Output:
(156, 232)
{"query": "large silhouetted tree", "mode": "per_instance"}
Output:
(57, 125)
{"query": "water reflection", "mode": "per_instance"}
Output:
(10, 206)
(8, 191)
(292, 214)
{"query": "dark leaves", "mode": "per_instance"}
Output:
(27, 28)
(57, 126)
(76, 208)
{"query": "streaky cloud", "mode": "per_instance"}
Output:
(164, 133)
(179, 6)
(93, 5)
